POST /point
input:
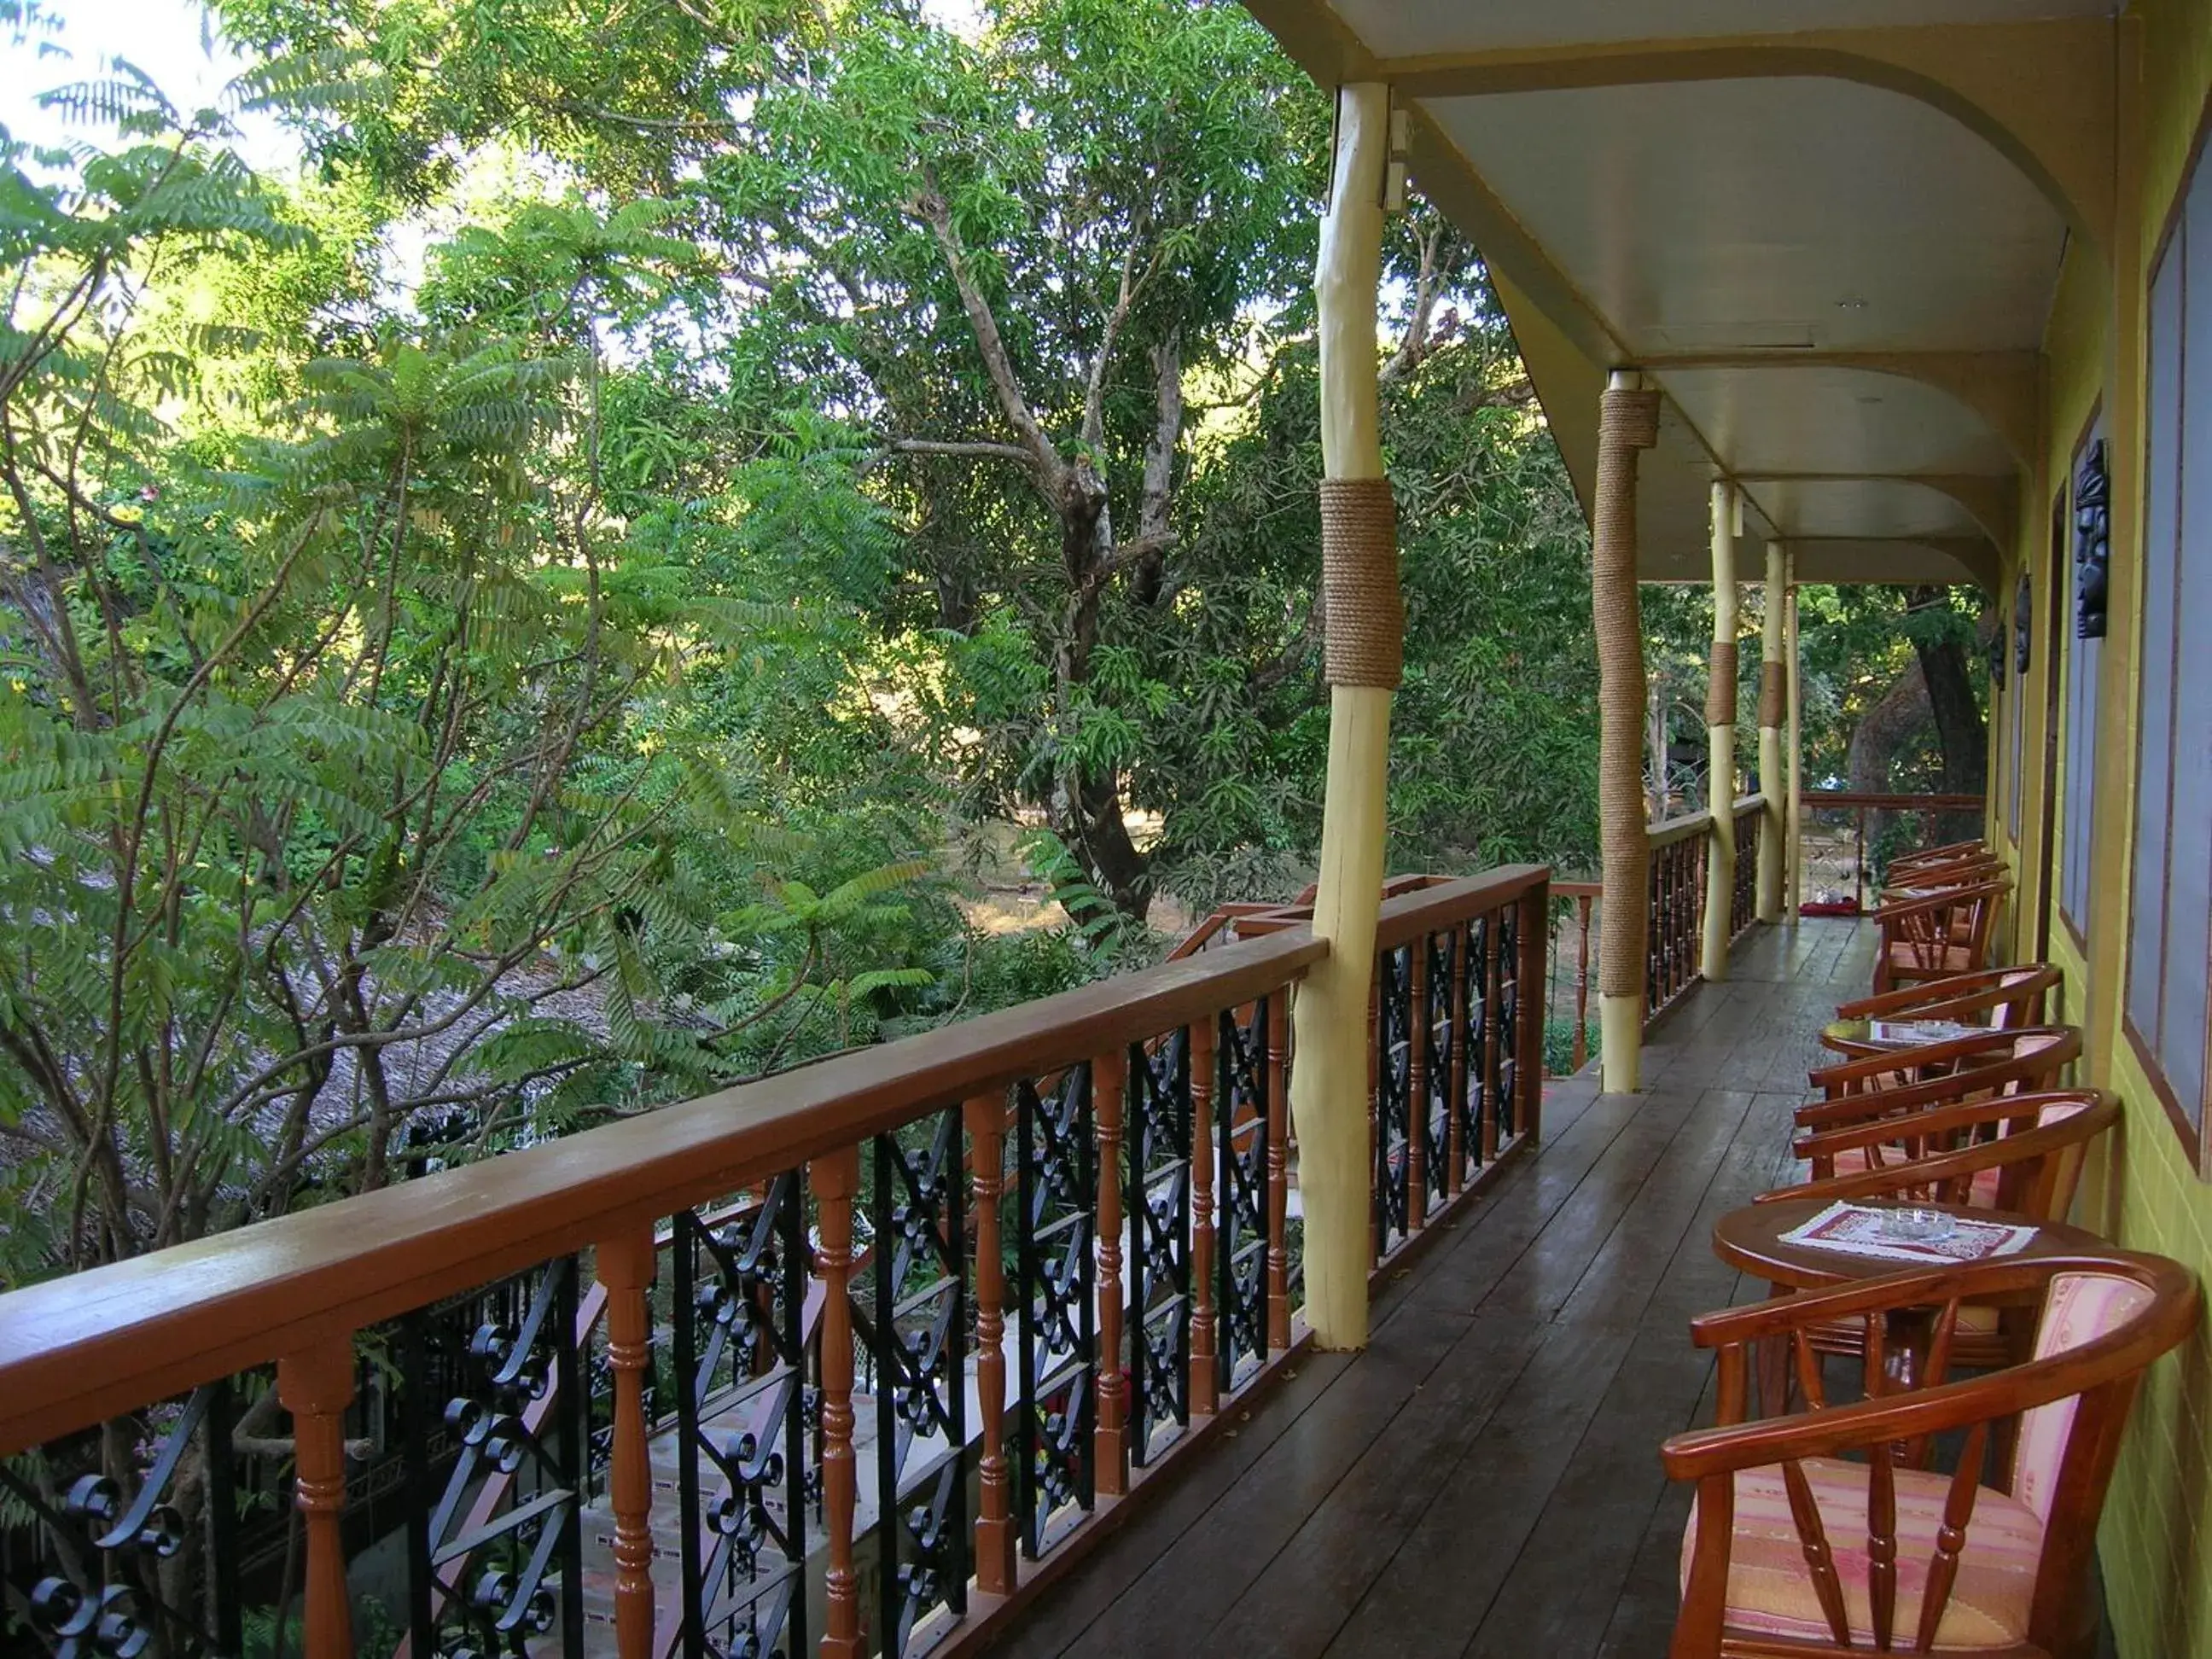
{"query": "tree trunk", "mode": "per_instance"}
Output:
(1949, 678)
(1882, 731)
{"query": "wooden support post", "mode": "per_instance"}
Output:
(1110, 1084)
(1278, 1170)
(1528, 1071)
(623, 1267)
(1205, 1372)
(1720, 739)
(1793, 862)
(1628, 423)
(1455, 1083)
(994, 1507)
(835, 1178)
(1417, 1087)
(316, 1386)
(1365, 635)
(1773, 699)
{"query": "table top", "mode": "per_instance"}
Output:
(1856, 1039)
(1750, 1241)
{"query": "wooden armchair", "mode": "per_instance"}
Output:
(1907, 1080)
(1954, 852)
(2000, 998)
(1944, 932)
(1832, 1531)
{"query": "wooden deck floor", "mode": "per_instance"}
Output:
(1483, 1480)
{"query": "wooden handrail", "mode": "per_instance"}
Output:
(81, 1349)
(1682, 829)
(1427, 910)
(1877, 801)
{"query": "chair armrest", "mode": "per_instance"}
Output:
(1945, 1119)
(1845, 1072)
(1960, 1163)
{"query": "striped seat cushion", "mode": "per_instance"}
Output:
(1769, 1587)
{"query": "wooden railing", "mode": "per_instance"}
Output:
(913, 1325)
(1679, 848)
(1926, 810)
(1743, 893)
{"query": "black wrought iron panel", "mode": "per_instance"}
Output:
(1441, 1037)
(1241, 1112)
(125, 1540)
(1055, 1189)
(1159, 1206)
(1478, 963)
(1394, 1088)
(494, 1473)
(914, 1329)
(741, 1284)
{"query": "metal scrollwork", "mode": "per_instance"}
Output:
(2092, 541)
(914, 1329)
(1241, 1130)
(1158, 1204)
(1442, 1034)
(1393, 1088)
(495, 1559)
(742, 1424)
(1505, 1074)
(1056, 1155)
(1474, 1094)
(130, 1565)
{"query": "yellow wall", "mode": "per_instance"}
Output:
(2156, 1540)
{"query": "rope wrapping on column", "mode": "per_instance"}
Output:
(1365, 643)
(1720, 688)
(1772, 700)
(1628, 422)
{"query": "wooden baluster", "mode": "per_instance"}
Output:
(835, 1178)
(994, 1523)
(1278, 1170)
(1109, 1080)
(1819, 1560)
(316, 1386)
(623, 1267)
(1205, 1377)
(1582, 980)
(1456, 1080)
(1417, 1087)
(1528, 1073)
(1881, 1542)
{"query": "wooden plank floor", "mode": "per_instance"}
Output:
(1483, 1480)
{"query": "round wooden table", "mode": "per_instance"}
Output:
(1750, 1240)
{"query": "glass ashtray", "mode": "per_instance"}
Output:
(1918, 1225)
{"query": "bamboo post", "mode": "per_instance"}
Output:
(623, 1267)
(1204, 1374)
(1628, 422)
(835, 1178)
(1720, 738)
(994, 1521)
(1772, 700)
(1794, 854)
(1365, 640)
(316, 1386)
(1109, 1081)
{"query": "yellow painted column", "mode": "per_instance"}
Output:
(1720, 736)
(1628, 423)
(1772, 700)
(1365, 631)
(1794, 832)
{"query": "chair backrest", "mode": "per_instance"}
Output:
(2000, 998)
(1932, 927)
(1950, 853)
(2021, 1154)
(2078, 1309)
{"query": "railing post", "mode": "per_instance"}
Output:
(994, 1522)
(623, 1266)
(316, 1386)
(1455, 1083)
(835, 1178)
(1535, 1008)
(1774, 701)
(1109, 1083)
(1204, 1374)
(1794, 854)
(1582, 980)
(1278, 1171)
(1416, 1085)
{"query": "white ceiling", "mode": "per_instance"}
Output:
(1884, 507)
(1784, 214)
(1407, 28)
(1811, 418)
